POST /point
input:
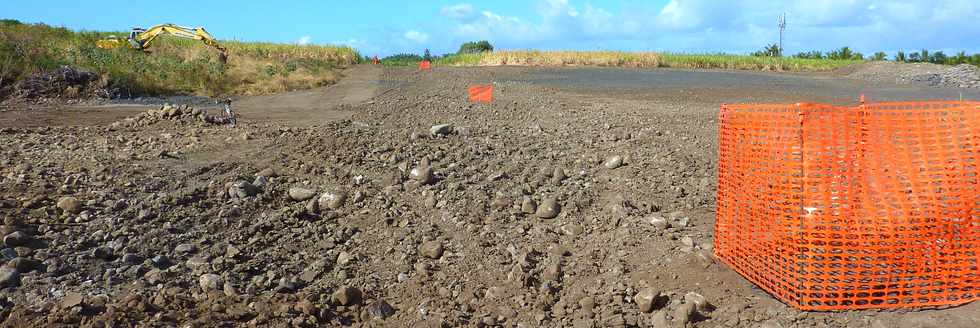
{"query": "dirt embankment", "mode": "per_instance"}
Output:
(959, 76)
(554, 207)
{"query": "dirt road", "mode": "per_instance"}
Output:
(580, 198)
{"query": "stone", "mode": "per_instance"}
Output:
(431, 249)
(103, 252)
(300, 194)
(558, 175)
(71, 300)
(572, 229)
(423, 174)
(242, 189)
(684, 313)
(701, 304)
(658, 222)
(687, 241)
(8, 253)
(613, 162)
(647, 299)
(659, 320)
(9, 277)
(380, 309)
(346, 295)
(70, 204)
(441, 129)
(344, 257)
(23, 264)
(185, 249)
(332, 200)
(130, 258)
(161, 261)
(268, 173)
(528, 205)
(548, 209)
(210, 282)
(16, 238)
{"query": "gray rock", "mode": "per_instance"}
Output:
(380, 309)
(242, 189)
(9, 277)
(103, 252)
(659, 320)
(210, 282)
(16, 238)
(161, 261)
(701, 304)
(268, 173)
(8, 253)
(687, 241)
(528, 205)
(185, 249)
(441, 129)
(572, 229)
(684, 313)
(431, 249)
(70, 204)
(23, 264)
(332, 199)
(548, 209)
(346, 295)
(647, 299)
(658, 222)
(131, 258)
(423, 174)
(300, 194)
(613, 162)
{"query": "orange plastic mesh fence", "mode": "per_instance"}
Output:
(838, 208)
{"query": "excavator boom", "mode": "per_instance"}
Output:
(142, 38)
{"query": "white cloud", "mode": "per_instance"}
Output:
(416, 36)
(304, 40)
(463, 11)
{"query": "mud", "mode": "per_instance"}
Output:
(568, 202)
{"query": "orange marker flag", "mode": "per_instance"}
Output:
(425, 65)
(481, 93)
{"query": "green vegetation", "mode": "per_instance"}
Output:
(938, 57)
(475, 47)
(173, 66)
(401, 60)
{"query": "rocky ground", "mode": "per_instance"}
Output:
(551, 207)
(959, 76)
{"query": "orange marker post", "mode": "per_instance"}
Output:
(425, 65)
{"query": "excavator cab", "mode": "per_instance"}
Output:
(134, 38)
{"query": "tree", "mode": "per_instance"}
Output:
(879, 56)
(914, 57)
(843, 53)
(771, 50)
(924, 55)
(938, 58)
(475, 47)
(427, 56)
(900, 56)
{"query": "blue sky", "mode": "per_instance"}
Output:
(385, 27)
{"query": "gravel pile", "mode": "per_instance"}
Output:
(959, 76)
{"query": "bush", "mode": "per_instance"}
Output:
(475, 47)
(810, 55)
(900, 56)
(844, 53)
(771, 50)
(879, 56)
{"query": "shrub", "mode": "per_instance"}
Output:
(475, 47)
(900, 57)
(771, 50)
(879, 56)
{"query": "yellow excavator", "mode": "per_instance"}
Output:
(140, 38)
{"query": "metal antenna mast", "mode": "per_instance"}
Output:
(782, 28)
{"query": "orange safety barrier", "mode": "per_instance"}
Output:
(481, 93)
(840, 208)
(425, 65)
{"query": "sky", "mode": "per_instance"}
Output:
(383, 27)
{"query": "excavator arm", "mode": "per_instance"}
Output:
(140, 39)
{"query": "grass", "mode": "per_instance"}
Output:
(174, 66)
(641, 59)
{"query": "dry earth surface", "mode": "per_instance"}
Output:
(580, 198)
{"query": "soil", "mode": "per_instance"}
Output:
(577, 199)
